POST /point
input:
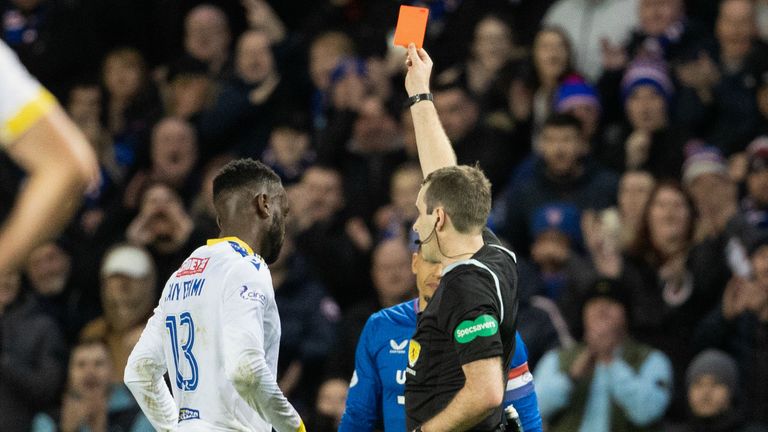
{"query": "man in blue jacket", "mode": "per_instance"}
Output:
(376, 392)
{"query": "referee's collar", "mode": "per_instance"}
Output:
(456, 264)
(230, 240)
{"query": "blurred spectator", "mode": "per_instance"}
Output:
(50, 38)
(325, 53)
(127, 296)
(262, 17)
(203, 211)
(393, 283)
(580, 99)
(472, 141)
(189, 89)
(664, 31)
(754, 206)
(52, 273)
(91, 402)
(493, 49)
(649, 143)
(552, 61)
(329, 406)
(718, 95)
(174, 152)
(672, 280)
(635, 188)
(336, 246)
(712, 384)
(32, 356)
(556, 233)
(609, 381)
(241, 118)
(308, 318)
(705, 176)
(207, 37)
(130, 104)
(165, 228)
(605, 31)
(395, 220)
(564, 173)
(289, 152)
(364, 142)
(740, 327)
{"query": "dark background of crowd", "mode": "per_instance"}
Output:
(623, 139)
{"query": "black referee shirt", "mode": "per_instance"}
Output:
(472, 316)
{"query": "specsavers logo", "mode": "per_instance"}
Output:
(484, 325)
(414, 349)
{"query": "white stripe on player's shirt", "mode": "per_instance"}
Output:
(401, 400)
(477, 263)
(509, 252)
(519, 382)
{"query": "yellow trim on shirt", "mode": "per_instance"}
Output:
(242, 244)
(27, 116)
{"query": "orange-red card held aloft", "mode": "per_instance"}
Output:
(411, 25)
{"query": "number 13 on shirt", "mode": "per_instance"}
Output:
(185, 319)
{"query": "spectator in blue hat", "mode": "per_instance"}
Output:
(580, 99)
(556, 234)
(649, 143)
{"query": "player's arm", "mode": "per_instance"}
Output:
(245, 301)
(520, 391)
(60, 164)
(482, 393)
(144, 376)
(364, 401)
(435, 150)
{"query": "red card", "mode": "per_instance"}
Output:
(411, 26)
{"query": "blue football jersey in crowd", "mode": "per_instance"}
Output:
(376, 391)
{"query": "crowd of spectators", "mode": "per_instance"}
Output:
(626, 140)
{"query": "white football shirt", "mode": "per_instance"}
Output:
(23, 101)
(216, 328)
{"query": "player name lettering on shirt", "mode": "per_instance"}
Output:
(185, 289)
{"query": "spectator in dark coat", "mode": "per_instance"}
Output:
(718, 95)
(32, 357)
(308, 318)
(240, 120)
(565, 173)
(740, 327)
(649, 142)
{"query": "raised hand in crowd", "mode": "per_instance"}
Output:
(701, 74)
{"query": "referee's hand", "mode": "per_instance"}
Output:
(419, 69)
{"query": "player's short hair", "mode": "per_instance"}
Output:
(242, 173)
(465, 194)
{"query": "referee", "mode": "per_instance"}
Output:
(455, 379)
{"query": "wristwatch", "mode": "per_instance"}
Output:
(418, 98)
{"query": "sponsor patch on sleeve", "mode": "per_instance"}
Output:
(188, 414)
(483, 326)
(252, 295)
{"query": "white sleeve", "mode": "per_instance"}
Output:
(23, 101)
(248, 294)
(144, 375)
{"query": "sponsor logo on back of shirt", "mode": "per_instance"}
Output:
(192, 266)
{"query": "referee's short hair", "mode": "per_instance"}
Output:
(465, 194)
(243, 173)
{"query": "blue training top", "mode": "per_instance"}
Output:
(378, 384)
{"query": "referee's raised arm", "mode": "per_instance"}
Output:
(435, 150)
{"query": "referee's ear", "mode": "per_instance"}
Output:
(441, 218)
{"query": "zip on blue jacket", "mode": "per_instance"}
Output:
(376, 391)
